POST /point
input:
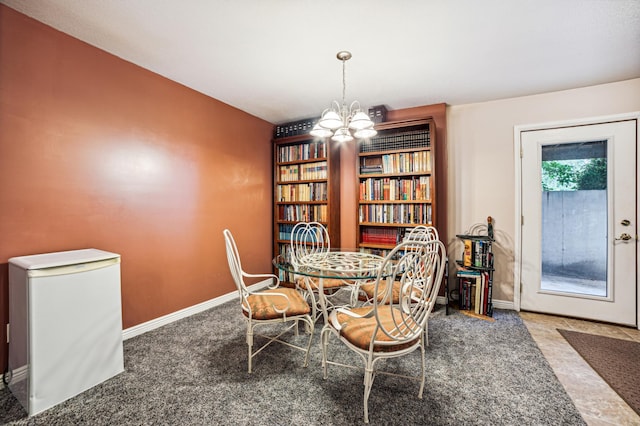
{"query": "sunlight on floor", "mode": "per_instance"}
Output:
(573, 285)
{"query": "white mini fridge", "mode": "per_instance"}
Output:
(65, 320)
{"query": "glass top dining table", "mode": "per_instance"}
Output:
(352, 266)
(348, 264)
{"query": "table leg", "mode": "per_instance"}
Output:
(322, 300)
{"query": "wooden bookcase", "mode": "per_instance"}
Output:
(396, 183)
(306, 176)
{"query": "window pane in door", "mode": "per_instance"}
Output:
(574, 218)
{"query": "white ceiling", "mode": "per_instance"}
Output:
(276, 59)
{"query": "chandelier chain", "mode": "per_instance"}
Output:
(344, 83)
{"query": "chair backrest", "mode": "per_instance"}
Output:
(308, 238)
(422, 233)
(235, 267)
(419, 267)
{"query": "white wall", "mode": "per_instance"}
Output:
(481, 168)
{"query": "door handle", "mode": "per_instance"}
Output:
(624, 237)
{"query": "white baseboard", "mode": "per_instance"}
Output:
(503, 304)
(200, 307)
(136, 330)
(497, 304)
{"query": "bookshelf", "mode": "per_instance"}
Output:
(306, 187)
(474, 275)
(396, 183)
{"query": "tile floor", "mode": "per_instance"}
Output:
(598, 404)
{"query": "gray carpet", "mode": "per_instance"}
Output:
(193, 372)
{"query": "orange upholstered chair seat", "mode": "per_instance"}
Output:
(328, 284)
(265, 305)
(359, 331)
(369, 288)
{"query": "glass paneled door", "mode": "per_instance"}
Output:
(574, 218)
(579, 221)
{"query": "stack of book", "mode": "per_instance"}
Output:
(378, 113)
(474, 288)
(375, 168)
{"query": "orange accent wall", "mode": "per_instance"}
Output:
(96, 152)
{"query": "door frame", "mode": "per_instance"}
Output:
(517, 132)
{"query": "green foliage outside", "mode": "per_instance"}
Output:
(574, 175)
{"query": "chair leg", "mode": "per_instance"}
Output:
(250, 344)
(423, 362)
(368, 384)
(324, 340)
(309, 326)
(426, 332)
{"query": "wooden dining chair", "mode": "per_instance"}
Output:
(391, 328)
(274, 304)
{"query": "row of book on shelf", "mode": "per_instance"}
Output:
(284, 232)
(293, 128)
(477, 253)
(283, 249)
(302, 151)
(383, 235)
(399, 140)
(286, 229)
(414, 188)
(302, 212)
(399, 162)
(374, 235)
(308, 171)
(313, 191)
(395, 213)
(475, 290)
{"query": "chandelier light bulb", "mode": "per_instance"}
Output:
(342, 135)
(331, 120)
(360, 121)
(365, 133)
(320, 132)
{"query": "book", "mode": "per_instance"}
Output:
(466, 257)
(478, 292)
(477, 253)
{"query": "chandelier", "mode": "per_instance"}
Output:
(343, 123)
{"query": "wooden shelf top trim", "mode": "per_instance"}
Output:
(301, 202)
(395, 201)
(396, 225)
(391, 175)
